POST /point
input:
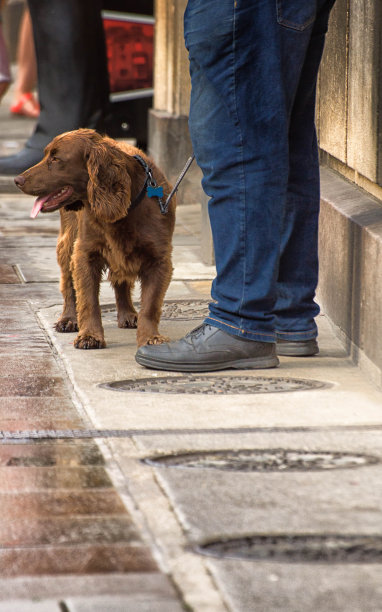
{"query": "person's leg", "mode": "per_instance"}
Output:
(243, 88)
(23, 101)
(298, 269)
(245, 69)
(5, 74)
(72, 74)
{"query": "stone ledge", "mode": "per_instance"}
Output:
(350, 285)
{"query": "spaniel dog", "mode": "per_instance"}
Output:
(108, 195)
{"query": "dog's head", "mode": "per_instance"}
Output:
(80, 166)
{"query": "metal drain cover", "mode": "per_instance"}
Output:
(335, 548)
(185, 310)
(181, 310)
(214, 385)
(263, 460)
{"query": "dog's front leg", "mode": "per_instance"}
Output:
(154, 282)
(68, 319)
(87, 272)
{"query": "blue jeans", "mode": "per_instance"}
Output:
(253, 66)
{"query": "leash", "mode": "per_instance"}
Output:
(153, 190)
(178, 182)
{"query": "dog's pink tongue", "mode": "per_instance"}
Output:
(37, 206)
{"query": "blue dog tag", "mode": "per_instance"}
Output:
(153, 192)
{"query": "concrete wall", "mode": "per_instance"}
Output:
(349, 96)
(349, 116)
(350, 286)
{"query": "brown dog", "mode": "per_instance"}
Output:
(107, 221)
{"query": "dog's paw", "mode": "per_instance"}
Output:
(158, 339)
(89, 342)
(65, 326)
(128, 321)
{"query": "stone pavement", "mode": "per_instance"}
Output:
(128, 490)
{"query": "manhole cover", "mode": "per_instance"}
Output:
(185, 310)
(335, 548)
(214, 385)
(263, 460)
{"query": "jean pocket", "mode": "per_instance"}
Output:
(296, 14)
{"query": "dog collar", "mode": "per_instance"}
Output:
(150, 188)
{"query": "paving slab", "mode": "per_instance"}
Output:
(132, 589)
(41, 505)
(50, 453)
(121, 604)
(31, 413)
(83, 559)
(299, 587)
(30, 606)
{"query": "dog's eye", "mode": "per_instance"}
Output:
(53, 159)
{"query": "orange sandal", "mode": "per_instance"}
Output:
(27, 106)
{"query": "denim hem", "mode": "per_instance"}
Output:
(309, 334)
(242, 333)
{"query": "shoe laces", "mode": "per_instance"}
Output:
(198, 331)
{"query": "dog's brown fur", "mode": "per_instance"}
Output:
(103, 233)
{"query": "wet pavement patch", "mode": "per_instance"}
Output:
(49, 454)
(43, 478)
(52, 504)
(33, 413)
(79, 560)
(60, 513)
(263, 460)
(214, 385)
(32, 386)
(23, 344)
(331, 548)
(67, 530)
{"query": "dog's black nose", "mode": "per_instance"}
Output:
(20, 180)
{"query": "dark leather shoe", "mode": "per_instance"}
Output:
(300, 348)
(207, 349)
(16, 164)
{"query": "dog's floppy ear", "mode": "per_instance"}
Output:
(109, 185)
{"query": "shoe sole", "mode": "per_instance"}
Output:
(241, 364)
(294, 350)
